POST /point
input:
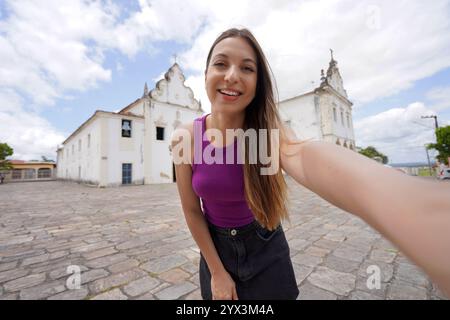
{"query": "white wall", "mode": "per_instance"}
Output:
(121, 150)
(76, 164)
(301, 113)
(165, 115)
(334, 129)
(311, 117)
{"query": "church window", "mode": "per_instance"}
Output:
(89, 140)
(342, 118)
(79, 145)
(159, 133)
(334, 115)
(126, 128)
(348, 120)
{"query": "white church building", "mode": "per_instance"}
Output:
(324, 113)
(132, 145)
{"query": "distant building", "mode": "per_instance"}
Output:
(132, 145)
(324, 113)
(414, 168)
(30, 171)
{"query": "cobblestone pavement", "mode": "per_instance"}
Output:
(133, 243)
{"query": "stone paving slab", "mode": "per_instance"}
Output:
(133, 243)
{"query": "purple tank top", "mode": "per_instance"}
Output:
(219, 186)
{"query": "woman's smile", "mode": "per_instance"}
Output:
(229, 95)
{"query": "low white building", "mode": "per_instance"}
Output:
(132, 145)
(324, 113)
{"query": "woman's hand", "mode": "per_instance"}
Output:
(223, 287)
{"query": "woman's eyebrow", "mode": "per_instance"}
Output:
(223, 55)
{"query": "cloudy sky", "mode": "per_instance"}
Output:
(62, 60)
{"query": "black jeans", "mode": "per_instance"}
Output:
(258, 261)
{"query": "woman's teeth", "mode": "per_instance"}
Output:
(230, 93)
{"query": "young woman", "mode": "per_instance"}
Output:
(237, 223)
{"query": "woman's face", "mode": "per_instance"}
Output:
(231, 76)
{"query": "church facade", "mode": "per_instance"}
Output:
(132, 145)
(324, 113)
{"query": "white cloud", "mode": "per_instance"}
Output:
(381, 49)
(440, 98)
(158, 21)
(399, 133)
(30, 135)
(44, 48)
(197, 84)
(50, 47)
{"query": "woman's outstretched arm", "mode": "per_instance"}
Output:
(411, 212)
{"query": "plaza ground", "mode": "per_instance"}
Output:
(133, 243)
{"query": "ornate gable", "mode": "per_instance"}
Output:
(172, 90)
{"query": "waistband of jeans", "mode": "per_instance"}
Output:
(234, 231)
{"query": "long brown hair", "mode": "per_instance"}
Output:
(266, 195)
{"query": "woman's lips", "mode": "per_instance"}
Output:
(229, 94)
(229, 98)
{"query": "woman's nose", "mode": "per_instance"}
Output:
(231, 74)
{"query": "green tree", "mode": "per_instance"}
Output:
(373, 153)
(5, 151)
(442, 144)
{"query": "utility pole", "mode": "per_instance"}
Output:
(436, 126)
(435, 120)
(428, 158)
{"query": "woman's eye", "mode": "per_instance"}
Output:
(219, 64)
(248, 69)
